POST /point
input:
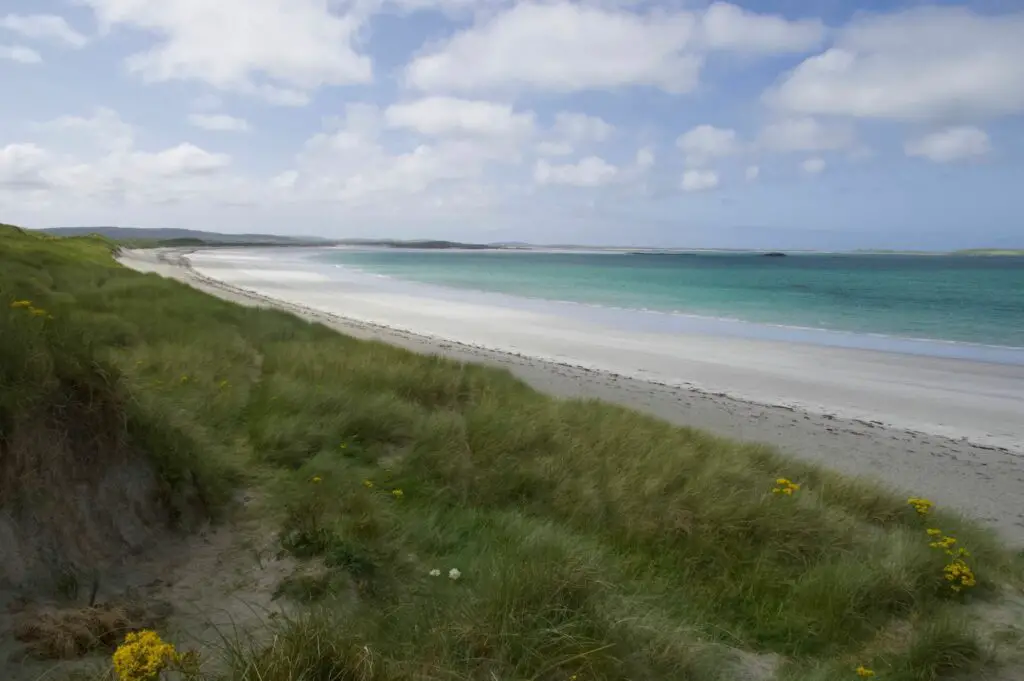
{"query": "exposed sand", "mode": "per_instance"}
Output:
(951, 430)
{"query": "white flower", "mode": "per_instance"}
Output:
(435, 573)
(454, 574)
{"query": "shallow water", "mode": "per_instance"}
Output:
(947, 306)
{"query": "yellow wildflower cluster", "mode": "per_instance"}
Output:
(397, 493)
(785, 486)
(316, 479)
(864, 673)
(946, 544)
(922, 506)
(959, 574)
(28, 307)
(143, 656)
(957, 571)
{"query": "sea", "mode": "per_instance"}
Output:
(944, 305)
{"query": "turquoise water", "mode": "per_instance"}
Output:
(947, 298)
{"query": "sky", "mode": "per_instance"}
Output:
(769, 124)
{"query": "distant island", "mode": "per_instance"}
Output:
(990, 251)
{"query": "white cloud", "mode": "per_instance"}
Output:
(219, 122)
(285, 180)
(562, 46)
(20, 54)
(644, 158)
(806, 134)
(706, 142)
(183, 160)
(554, 47)
(752, 173)
(207, 102)
(554, 148)
(699, 180)
(728, 27)
(104, 128)
(580, 127)
(449, 115)
(813, 166)
(927, 63)
(94, 160)
(591, 171)
(22, 166)
(952, 144)
(277, 49)
(351, 165)
(571, 132)
(44, 27)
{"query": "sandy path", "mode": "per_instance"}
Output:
(983, 478)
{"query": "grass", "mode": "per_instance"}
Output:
(593, 543)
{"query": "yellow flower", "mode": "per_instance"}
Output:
(316, 479)
(922, 506)
(25, 304)
(368, 484)
(864, 673)
(959, 574)
(36, 312)
(785, 486)
(142, 656)
(397, 493)
(934, 532)
(945, 543)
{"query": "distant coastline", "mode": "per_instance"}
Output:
(141, 237)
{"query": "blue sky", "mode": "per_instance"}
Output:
(758, 124)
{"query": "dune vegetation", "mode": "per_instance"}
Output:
(462, 525)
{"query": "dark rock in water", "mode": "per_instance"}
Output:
(774, 254)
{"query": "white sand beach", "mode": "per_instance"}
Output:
(948, 429)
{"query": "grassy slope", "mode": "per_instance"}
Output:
(591, 540)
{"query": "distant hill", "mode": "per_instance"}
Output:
(182, 236)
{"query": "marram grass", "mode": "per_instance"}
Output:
(471, 528)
